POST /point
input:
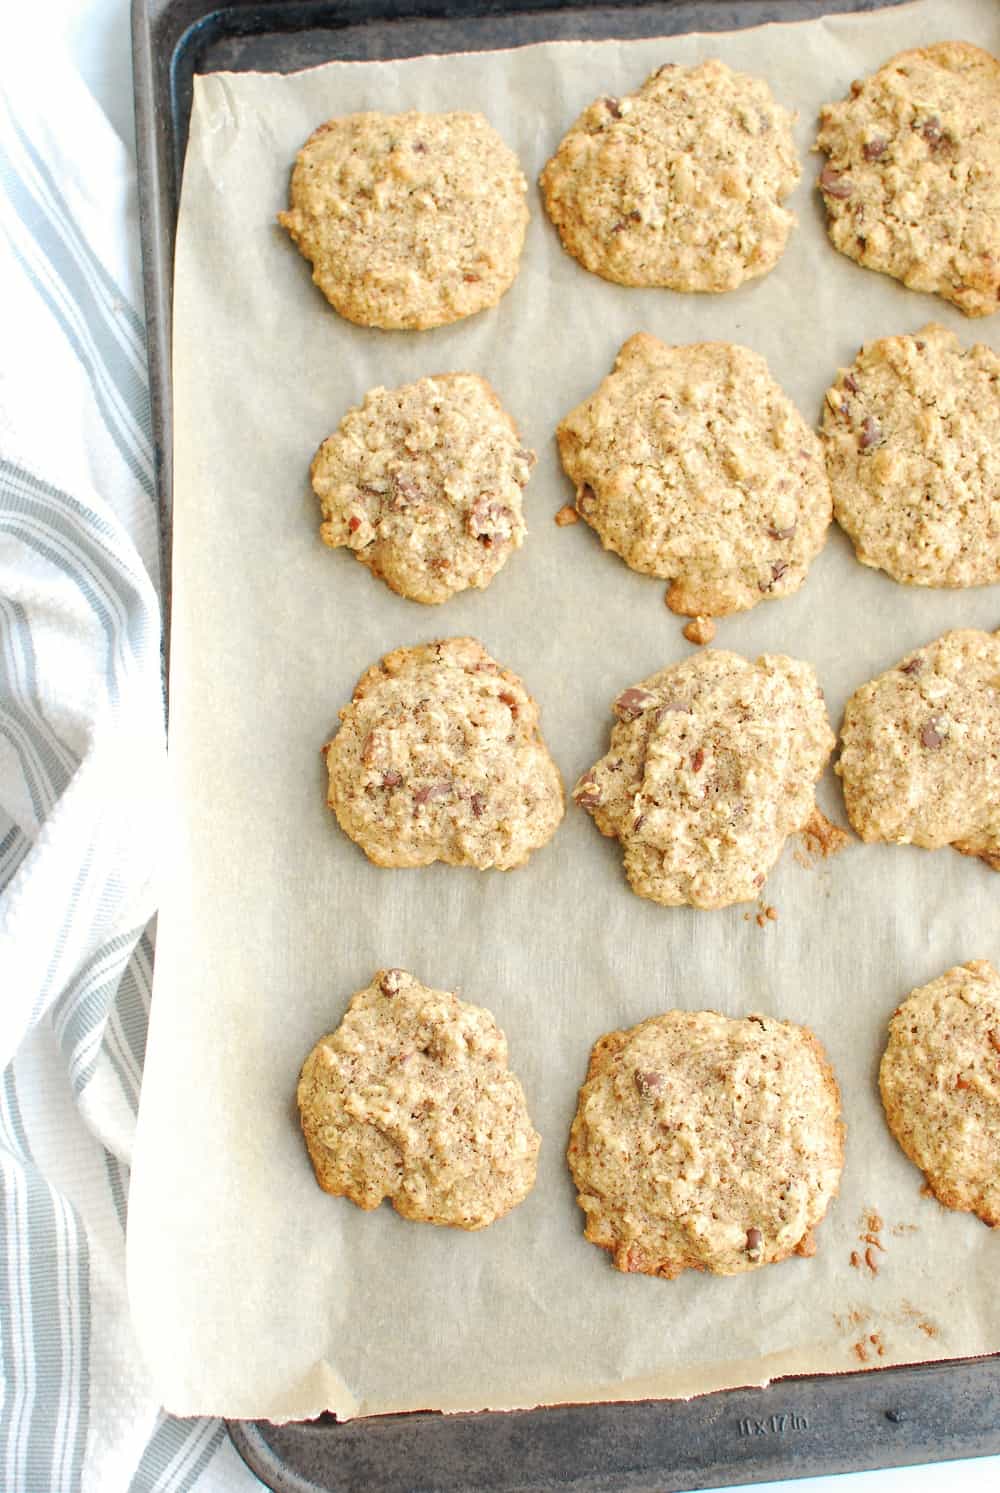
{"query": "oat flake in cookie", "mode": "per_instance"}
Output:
(940, 1083)
(678, 185)
(912, 180)
(409, 220)
(693, 465)
(704, 1143)
(920, 760)
(712, 765)
(912, 433)
(424, 484)
(411, 1099)
(439, 757)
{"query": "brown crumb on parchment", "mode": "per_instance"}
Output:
(869, 1240)
(869, 1347)
(867, 1335)
(847, 1321)
(567, 515)
(921, 1321)
(821, 839)
(699, 630)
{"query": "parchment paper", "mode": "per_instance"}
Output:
(254, 1293)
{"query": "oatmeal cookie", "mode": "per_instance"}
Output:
(679, 184)
(712, 765)
(693, 465)
(409, 220)
(919, 759)
(706, 1143)
(439, 757)
(940, 1084)
(912, 433)
(424, 484)
(411, 1099)
(912, 180)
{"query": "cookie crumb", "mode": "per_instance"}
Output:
(822, 838)
(761, 920)
(567, 515)
(911, 1314)
(771, 913)
(700, 630)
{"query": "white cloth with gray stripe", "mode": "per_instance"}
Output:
(81, 762)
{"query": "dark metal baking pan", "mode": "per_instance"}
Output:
(797, 1427)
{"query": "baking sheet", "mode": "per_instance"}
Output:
(253, 1293)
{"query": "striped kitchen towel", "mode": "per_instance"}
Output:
(81, 779)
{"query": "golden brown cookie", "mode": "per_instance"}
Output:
(411, 1099)
(712, 765)
(912, 183)
(919, 758)
(706, 1143)
(912, 435)
(940, 1084)
(679, 184)
(693, 465)
(423, 483)
(439, 757)
(409, 220)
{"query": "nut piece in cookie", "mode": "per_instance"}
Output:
(693, 465)
(411, 1099)
(912, 179)
(705, 1143)
(424, 484)
(940, 1084)
(679, 184)
(912, 437)
(711, 766)
(439, 757)
(409, 220)
(919, 758)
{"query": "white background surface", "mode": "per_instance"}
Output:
(97, 34)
